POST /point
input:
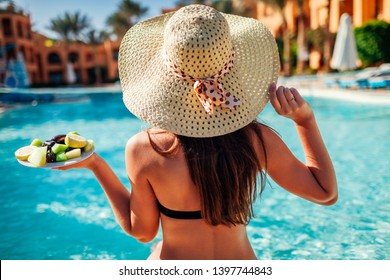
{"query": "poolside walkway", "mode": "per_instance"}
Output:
(315, 86)
(311, 85)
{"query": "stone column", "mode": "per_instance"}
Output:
(386, 10)
(363, 11)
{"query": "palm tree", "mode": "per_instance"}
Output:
(61, 26)
(128, 13)
(119, 24)
(182, 3)
(301, 38)
(95, 37)
(80, 23)
(70, 27)
(280, 5)
(327, 43)
(224, 6)
(227, 6)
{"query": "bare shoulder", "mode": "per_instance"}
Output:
(139, 154)
(267, 145)
(270, 136)
(137, 143)
(145, 147)
(266, 130)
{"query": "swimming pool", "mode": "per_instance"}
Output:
(48, 214)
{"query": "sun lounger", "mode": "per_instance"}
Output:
(358, 79)
(379, 82)
(361, 80)
(384, 66)
(331, 82)
(350, 83)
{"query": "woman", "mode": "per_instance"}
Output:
(200, 78)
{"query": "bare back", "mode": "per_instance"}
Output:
(167, 179)
(170, 182)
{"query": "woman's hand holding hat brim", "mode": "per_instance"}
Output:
(288, 103)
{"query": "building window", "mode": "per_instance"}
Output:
(89, 57)
(32, 55)
(73, 57)
(7, 27)
(115, 54)
(55, 77)
(20, 30)
(29, 32)
(54, 58)
(10, 51)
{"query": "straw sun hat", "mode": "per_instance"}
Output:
(197, 72)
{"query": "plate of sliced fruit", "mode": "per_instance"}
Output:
(61, 150)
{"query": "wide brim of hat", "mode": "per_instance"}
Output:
(163, 100)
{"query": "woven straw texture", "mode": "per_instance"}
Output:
(199, 40)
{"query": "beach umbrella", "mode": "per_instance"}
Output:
(21, 72)
(70, 74)
(344, 52)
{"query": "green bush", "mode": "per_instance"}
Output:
(373, 42)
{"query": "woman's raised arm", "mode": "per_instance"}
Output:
(315, 180)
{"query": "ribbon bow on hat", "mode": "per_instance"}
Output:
(208, 90)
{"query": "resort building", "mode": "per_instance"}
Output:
(91, 64)
(317, 14)
(47, 62)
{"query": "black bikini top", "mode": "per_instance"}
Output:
(182, 215)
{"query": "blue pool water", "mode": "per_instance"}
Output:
(47, 214)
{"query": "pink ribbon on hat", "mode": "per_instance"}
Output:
(208, 90)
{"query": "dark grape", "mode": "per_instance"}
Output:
(50, 156)
(49, 143)
(60, 138)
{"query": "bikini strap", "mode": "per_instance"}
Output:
(182, 215)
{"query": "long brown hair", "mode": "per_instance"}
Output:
(225, 169)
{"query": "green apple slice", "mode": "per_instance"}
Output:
(61, 156)
(36, 142)
(57, 148)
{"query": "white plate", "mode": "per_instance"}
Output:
(61, 163)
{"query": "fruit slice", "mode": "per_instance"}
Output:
(36, 142)
(89, 146)
(38, 156)
(58, 148)
(75, 141)
(73, 153)
(61, 156)
(24, 152)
